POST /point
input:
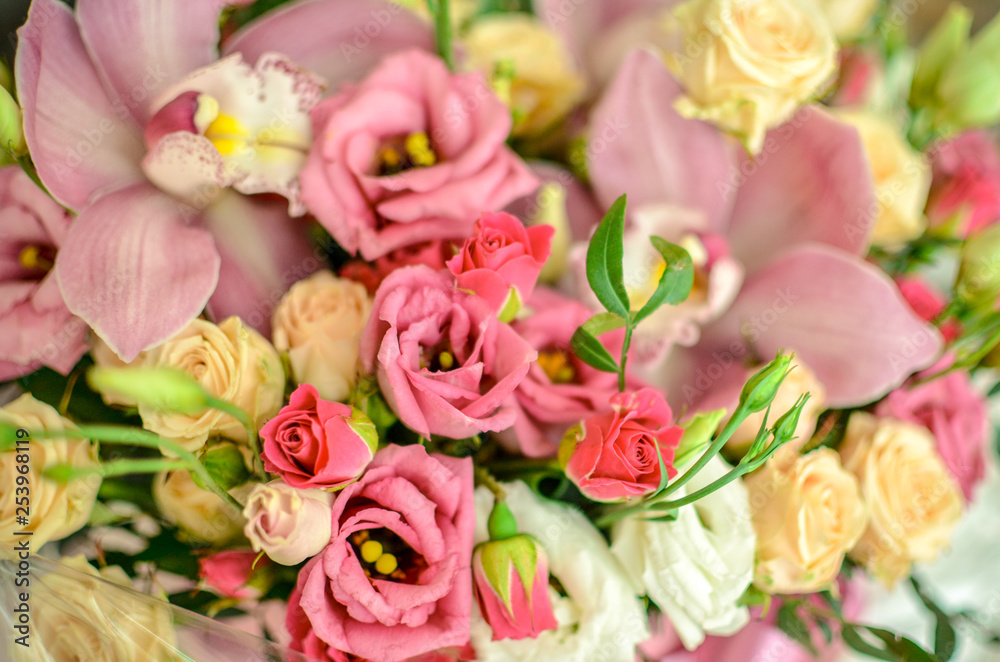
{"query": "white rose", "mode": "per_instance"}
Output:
(697, 567)
(231, 362)
(54, 510)
(747, 65)
(600, 617)
(319, 323)
(288, 524)
(901, 176)
(201, 514)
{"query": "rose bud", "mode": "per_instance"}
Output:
(288, 524)
(501, 261)
(616, 456)
(229, 573)
(316, 443)
(511, 573)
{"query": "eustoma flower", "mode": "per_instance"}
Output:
(144, 148)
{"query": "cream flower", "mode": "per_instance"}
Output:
(901, 175)
(288, 524)
(54, 510)
(231, 362)
(77, 614)
(545, 85)
(319, 323)
(807, 513)
(914, 501)
(600, 617)
(199, 513)
(747, 65)
(848, 18)
(697, 567)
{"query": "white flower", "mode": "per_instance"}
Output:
(600, 619)
(697, 567)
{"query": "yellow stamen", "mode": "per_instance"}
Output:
(371, 551)
(418, 147)
(556, 365)
(386, 564)
(389, 158)
(29, 257)
(446, 360)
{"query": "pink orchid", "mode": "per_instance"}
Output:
(797, 219)
(145, 149)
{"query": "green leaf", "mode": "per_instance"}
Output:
(605, 271)
(790, 623)
(591, 351)
(944, 631)
(675, 283)
(601, 323)
(853, 638)
(896, 647)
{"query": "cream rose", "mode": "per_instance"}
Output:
(319, 323)
(848, 18)
(199, 513)
(747, 65)
(288, 524)
(901, 176)
(231, 362)
(697, 567)
(913, 500)
(600, 617)
(807, 513)
(54, 510)
(545, 83)
(78, 614)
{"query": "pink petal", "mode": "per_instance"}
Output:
(845, 319)
(187, 166)
(811, 183)
(134, 270)
(263, 253)
(352, 38)
(640, 146)
(82, 143)
(164, 41)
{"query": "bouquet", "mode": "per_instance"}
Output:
(498, 330)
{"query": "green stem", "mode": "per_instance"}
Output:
(442, 32)
(625, 346)
(734, 422)
(118, 468)
(484, 478)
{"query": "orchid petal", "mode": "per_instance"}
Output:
(134, 270)
(187, 166)
(82, 143)
(845, 318)
(356, 36)
(811, 183)
(263, 253)
(164, 41)
(640, 146)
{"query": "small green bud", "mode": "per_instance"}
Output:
(364, 428)
(162, 389)
(225, 464)
(970, 87)
(784, 428)
(11, 133)
(978, 280)
(511, 307)
(501, 524)
(948, 40)
(760, 389)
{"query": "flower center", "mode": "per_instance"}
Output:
(35, 257)
(405, 153)
(557, 366)
(384, 555)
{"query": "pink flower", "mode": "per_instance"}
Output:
(445, 364)
(412, 153)
(965, 192)
(512, 587)
(36, 328)
(316, 443)
(955, 414)
(395, 580)
(228, 572)
(433, 253)
(615, 456)
(559, 389)
(927, 303)
(502, 254)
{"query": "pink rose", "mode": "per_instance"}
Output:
(927, 303)
(502, 254)
(227, 573)
(395, 580)
(965, 191)
(614, 456)
(559, 389)
(316, 443)
(36, 328)
(955, 414)
(412, 153)
(434, 254)
(445, 364)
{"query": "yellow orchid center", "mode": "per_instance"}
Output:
(35, 257)
(557, 366)
(228, 134)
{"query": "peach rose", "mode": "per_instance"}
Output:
(319, 323)
(200, 514)
(914, 501)
(807, 513)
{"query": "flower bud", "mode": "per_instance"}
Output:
(162, 389)
(11, 135)
(786, 426)
(760, 389)
(979, 274)
(512, 579)
(970, 86)
(949, 37)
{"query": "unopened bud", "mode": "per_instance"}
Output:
(760, 389)
(162, 389)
